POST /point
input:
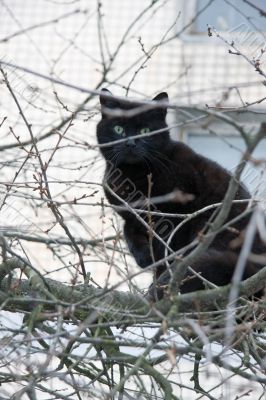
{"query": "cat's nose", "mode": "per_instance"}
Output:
(131, 143)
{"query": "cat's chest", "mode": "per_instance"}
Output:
(137, 180)
(135, 185)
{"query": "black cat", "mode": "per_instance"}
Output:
(154, 165)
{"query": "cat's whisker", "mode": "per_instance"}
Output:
(164, 163)
(157, 163)
(112, 158)
(115, 159)
(162, 156)
(142, 156)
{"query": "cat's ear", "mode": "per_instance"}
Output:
(161, 97)
(107, 100)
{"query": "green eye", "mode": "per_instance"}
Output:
(144, 130)
(119, 130)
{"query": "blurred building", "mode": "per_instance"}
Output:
(139, 49)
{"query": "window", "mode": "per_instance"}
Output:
(228, 15)
(227, 151)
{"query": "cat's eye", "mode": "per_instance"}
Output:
(119, 129)
(144, 130)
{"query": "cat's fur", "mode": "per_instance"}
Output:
(155, 166)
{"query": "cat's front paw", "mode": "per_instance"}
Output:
(142, 258)
(158, 289)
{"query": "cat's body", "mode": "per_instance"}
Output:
(155, 166)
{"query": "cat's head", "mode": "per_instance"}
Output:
(121, 120)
